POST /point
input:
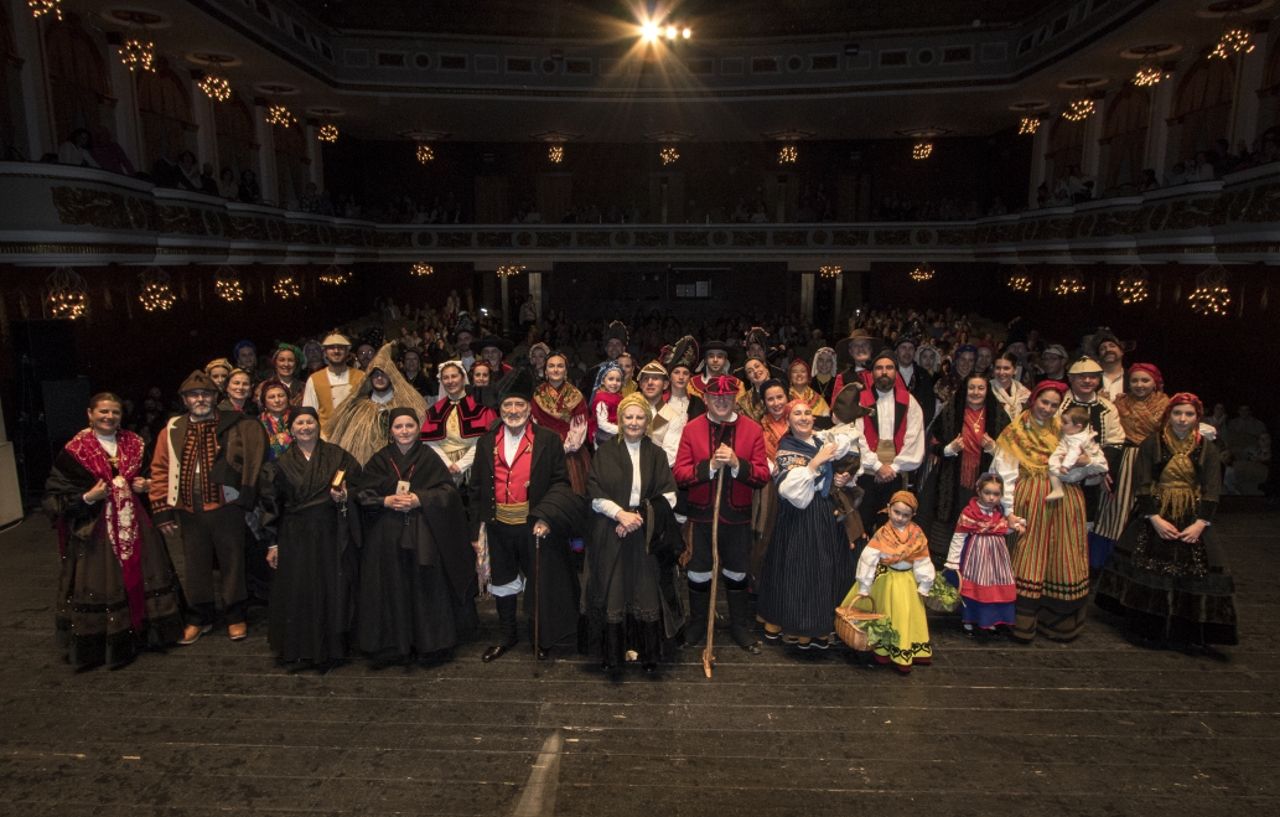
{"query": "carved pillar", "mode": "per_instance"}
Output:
(1157, 153)
(315, 154)
(264, 134)
(1039, 146)
(535, 292)
(206, 130)
(37, 137)
(806, 296)
(1091, 155)
(1250, 69)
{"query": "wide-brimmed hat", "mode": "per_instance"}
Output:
(198, 380)
(336, 339)
(843, 347)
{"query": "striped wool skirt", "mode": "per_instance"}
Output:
(807, 569)
(1113, 516)
(987, 587)
(1050, 561)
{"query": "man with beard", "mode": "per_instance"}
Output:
(1111, 355)
(855, 352)
(493, 349)
(328, 387)
(204, 477)
(919, 381)
(665, 426)
(715, 364)
(721, 439)
(892, 443)
(519, 491)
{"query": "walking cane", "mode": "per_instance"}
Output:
(537, 601)
(708, 651)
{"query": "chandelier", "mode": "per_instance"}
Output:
(421, 270)
(555, 154)
(830, 271)
(425, 153)
(280, 116)
(66, 295)
(328, 133)
(1068, 284)
(334, 276)
(922, 150)
(1079, 110)
(1133, 286)
(510, 270)
(40, 8)
(788, 154)
(138, 54)
(669, 155)
(1233, 41)
(157, 293)
(1028, 126)
(1147, 76)
(226, 282)
(1019, 280)
(215, 87)
(286, 286)
(1211, 297)
(922, 273)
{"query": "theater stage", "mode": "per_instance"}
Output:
(1097, 727)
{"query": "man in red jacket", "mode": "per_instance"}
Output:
(721, 439)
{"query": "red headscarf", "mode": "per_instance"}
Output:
(1150, 369)
(1184, 398)
(1044, 386)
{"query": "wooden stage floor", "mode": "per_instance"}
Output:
(1097, 727)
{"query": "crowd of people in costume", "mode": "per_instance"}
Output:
(374, 494)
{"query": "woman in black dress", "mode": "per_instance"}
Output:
(634, 539)
(117, 590)
(314, 538)
(417, 572)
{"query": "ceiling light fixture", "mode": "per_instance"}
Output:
(1028, 126)
(328, 133)
(40, 8)
(1233, 41)
(1079, 110)
(922, 150)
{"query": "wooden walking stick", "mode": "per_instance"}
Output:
(537, 601)
(708, 651)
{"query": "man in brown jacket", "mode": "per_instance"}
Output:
(204, 475)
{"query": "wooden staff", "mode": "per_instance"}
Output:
(537, 601)
(708, 651)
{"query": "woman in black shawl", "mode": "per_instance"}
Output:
(628, 555)
(313, 538)
(964, 440)
(417, 573)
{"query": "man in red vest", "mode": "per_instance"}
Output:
(892, 440)
(519, 491)
(712, 442)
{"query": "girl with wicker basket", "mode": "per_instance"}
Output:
(896, 572)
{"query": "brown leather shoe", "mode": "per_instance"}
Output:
(237, 632)
(191, 634)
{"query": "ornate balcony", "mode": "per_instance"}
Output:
(58, 215)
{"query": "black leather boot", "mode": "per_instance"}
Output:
(611, 648)
(740, 617)
(650, 645)
(506, 624)
(695, 632)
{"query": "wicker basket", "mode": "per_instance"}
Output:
(937, 605)
(849, 621)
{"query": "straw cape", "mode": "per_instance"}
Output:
(359, 423)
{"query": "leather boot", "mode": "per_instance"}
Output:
(695, 632)
(611, 656)
(507, 626)
(740, 617)
(650, 645)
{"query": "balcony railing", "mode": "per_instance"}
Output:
(58, 215)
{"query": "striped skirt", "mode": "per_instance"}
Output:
(1113, 516)
(987, 585)
(1051, 560)
(807, 569)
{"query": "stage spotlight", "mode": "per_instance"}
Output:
(672, 32)
(649, 31)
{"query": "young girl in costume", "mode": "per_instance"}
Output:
(605, 396)
(980, 557)
(896, 572)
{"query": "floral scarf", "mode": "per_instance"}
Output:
(1031, 443)
(1178, 488)
(278, 435)
(971, 434)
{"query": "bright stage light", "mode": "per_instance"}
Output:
(672, 32)
(649, 31)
